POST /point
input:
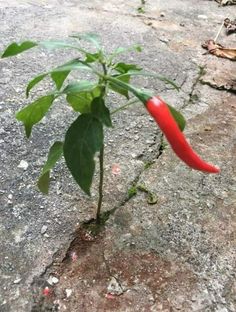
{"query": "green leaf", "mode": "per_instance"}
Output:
(141, 10)
(121, 50)
(92, 57)
(96, 91)
(15, 48)
(90, 37)
(123, 68)
(33, 113)
(43, 182)
(148, 74)
(83, 139)
(55, 44)
(80, 101)
(72, 65)
(99, 109)
(119, 89)
(179, 118)
(79, 86)
(33, 82)
(142, 95)
(60, 73)
(59, 77)
(54, 155)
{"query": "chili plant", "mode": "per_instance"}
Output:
(89, 99)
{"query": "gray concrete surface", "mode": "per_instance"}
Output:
(176, 255)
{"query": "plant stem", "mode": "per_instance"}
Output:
(101, 159)
(131, 102)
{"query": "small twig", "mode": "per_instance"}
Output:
(219, 31)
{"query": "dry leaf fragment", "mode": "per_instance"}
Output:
(230, 26)
(226, 2)
(220, 51)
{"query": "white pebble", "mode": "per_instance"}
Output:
(68, 292)
(52, 280)
(44, 229)
(201, 16)
(23, 165)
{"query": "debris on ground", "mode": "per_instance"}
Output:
(226, 2)
(114, 288)
(219, 50)
(230, 26)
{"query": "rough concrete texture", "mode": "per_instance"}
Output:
(175, 255)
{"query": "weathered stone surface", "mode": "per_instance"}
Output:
(176, 255)
(220, 74)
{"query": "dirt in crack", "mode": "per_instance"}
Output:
(83, 267)
(97, 275)
(85, 244)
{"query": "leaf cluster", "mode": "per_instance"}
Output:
(85, 136)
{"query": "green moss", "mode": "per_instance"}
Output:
(148, 164)
(151, 198)
(194, 98)
(132, 191)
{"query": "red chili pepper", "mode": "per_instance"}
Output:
(162, 115)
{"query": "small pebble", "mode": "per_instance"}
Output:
(17, 281)
(55, 280)
(114, 288)
(52, 280)
(68, 292)
(44, 229)
(23, 165)
(164, 39)
(201, 16)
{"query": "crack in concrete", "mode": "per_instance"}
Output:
(60, 255)
(191, 96)
(135, 15)
(201, 72)
(215, 86)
